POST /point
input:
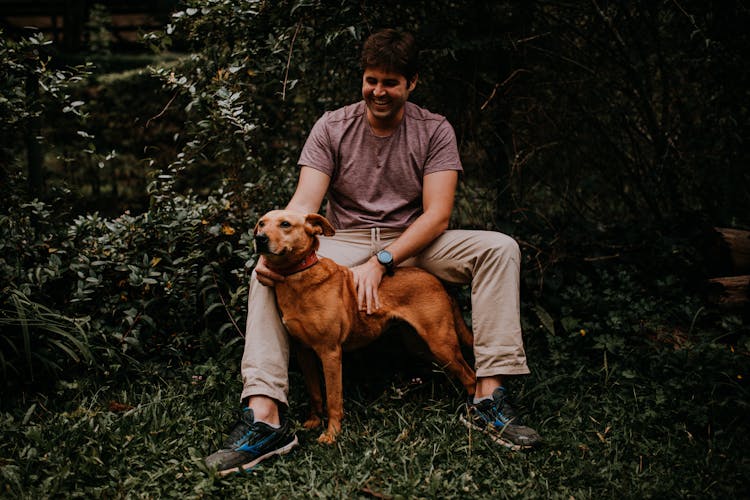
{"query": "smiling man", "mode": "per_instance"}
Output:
(385, 95)
(389, 170)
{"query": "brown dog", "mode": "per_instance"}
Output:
(318, 305)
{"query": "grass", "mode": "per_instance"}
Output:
(647, 421)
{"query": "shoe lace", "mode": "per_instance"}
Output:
(241, 427)
(502, 408)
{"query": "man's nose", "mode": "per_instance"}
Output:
(378, 91)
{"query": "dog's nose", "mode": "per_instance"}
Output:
(261, 243)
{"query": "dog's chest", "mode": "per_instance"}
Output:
(309, 311)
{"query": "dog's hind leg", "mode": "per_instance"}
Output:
(465, 336)
(443, 344)
(309, 365)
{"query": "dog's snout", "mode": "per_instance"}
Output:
(261, 243)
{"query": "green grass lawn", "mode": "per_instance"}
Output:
(642, 420)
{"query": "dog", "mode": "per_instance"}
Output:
(318, 305)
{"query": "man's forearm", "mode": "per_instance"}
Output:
(419, 235)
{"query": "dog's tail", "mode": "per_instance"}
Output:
(464, 334)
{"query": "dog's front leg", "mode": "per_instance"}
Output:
(331, 360)
(308, 363)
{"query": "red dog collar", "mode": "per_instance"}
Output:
(309, 261)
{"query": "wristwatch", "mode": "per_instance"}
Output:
(386, 260)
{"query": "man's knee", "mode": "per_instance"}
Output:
(503, 247)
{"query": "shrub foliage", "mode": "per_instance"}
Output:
(585, 129)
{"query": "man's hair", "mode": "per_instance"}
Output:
(392, 50)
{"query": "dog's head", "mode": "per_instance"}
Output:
(285, 237)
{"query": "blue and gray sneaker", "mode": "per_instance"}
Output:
(496, 418)
(250, 443)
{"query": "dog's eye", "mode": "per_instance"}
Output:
(261, 224)
(285, 224)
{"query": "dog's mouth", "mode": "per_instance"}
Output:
(263, 247)
(268, 253)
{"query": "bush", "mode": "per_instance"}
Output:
(170, 283)
(32, 84)
(545, 167)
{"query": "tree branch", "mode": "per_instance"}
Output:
(289, 61)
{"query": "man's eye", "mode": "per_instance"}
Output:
(285, 224)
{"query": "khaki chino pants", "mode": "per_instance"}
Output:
(489, 261)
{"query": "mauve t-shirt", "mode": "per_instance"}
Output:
(377, 181)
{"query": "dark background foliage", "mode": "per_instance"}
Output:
(607, 137)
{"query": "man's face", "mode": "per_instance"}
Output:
(385, 94)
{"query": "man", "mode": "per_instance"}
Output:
(390, 170)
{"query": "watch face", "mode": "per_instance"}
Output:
(385, 257)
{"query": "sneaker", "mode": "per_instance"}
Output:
(496, 418)
(250, 443)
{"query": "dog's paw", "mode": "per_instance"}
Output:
(312, 422)
(327, 438)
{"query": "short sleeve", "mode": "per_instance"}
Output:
(442, 152)
(318, 152)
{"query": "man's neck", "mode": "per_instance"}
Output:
(383, 128)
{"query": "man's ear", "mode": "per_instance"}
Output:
(413, 82)
(319, 225)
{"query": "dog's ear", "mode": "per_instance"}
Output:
(319, 225)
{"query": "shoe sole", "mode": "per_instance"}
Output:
(495, 437)
(248, 466)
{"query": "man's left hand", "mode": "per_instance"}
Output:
(367, 278)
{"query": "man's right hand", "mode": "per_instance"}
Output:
(264, 275)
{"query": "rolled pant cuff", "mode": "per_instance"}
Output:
(259, 390)
(501, 360)
(504, 370)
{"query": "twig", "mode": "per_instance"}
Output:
(135, 322)
(162, 111)
(689, 16)
(226, 308)
(498, 85)
(529, 38)
(601, 258)
(289, 61)
(539, 265)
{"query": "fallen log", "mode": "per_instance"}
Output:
(730, 290)
(735, 245)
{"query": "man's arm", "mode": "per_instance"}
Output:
(311, 188)
(438, 193)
